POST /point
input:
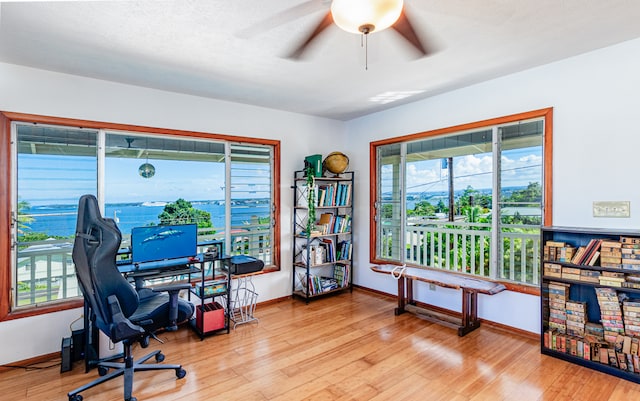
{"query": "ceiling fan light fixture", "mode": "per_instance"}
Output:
(365, 16)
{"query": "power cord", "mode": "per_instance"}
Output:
(34, 366)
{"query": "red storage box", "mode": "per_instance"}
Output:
(213, 317)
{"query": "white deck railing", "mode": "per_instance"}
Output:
(466, 248)
(45, 271)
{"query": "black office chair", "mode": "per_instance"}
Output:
(116, 308)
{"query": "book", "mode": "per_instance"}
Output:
(610, 243)
(629, 240)
(594, 258)
(593, 246)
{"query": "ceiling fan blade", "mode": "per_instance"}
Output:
(326, 21)
(283, 17)
(404, 27)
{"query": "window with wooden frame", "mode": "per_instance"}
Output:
(227, 185)
(468, 199)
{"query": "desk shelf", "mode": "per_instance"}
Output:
(212, 296)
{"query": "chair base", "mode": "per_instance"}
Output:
(126, 368)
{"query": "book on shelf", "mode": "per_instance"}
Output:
(571, 273)
(344, 250)
(330, 249)
(552, 270)
(594, 258)
(612, 252)
(558, 251)
(609, 243)
(590, 249)
(630, 240)
(341, 274)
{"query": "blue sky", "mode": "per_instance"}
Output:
(519, 167)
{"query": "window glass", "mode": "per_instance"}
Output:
(389, 202)
(157, 180)
(251, 201)
(435, 201)
(141, 179)
(54, 167)
(520, 205)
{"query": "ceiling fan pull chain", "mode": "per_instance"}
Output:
(365, 41)
(366, 52)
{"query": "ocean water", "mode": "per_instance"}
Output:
(61, 219)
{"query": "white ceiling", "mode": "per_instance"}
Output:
(234, 49)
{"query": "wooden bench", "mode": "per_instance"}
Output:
(470, 288)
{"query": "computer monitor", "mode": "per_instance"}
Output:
(152, 243)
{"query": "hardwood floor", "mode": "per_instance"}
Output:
(345, 347)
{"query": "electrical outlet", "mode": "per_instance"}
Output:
(432, 286)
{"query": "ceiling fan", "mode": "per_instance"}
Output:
(355, 16)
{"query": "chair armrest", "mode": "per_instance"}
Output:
(121, 328)
(171, 288)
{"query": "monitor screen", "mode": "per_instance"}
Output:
(163, 242)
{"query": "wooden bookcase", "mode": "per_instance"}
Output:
(586, 289)
(322, 244)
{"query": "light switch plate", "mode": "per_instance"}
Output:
(611, 209)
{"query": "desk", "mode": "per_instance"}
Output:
(470, 288)
(139, 272)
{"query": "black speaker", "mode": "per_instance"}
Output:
(77, 345)
(242, 264)
(65, 355)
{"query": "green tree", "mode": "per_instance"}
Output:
(23, 219)
(422, 208)
(182, 212)
(441, 207)
(532, 193)
(473, 197)
(387, 211)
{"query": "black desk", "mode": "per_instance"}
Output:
(139, 272)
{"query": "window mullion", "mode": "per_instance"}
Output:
(227, 196)
(495, 207)
(101, 185)
(402, 189)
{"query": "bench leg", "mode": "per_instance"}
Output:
(409, 285)
(470, 320)
(401, 299)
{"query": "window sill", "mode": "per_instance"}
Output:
(44, 309)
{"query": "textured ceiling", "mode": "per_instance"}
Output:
(234, 49)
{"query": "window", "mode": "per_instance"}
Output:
(141, 176)
(467, 199)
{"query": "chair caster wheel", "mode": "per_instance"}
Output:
(132, 399)
(180, 373)
(102, 370)
(144, 342)
(76, 397)
(159, 357)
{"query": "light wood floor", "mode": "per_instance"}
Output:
(345, 347)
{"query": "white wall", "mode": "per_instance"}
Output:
(595, 118)
(32, 91)
(595, 150)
